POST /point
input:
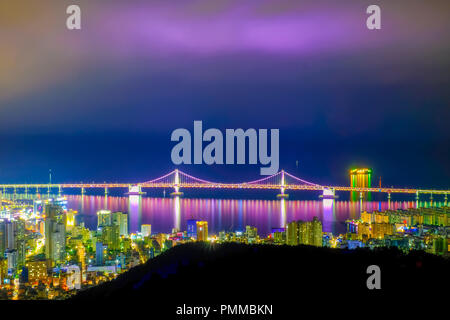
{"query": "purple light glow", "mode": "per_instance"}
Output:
(164, 214)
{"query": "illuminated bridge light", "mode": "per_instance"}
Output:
(360, 181)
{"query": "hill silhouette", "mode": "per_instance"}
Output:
(284, 276)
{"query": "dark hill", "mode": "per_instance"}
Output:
(202, 273)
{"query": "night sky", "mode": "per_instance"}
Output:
(100, 104)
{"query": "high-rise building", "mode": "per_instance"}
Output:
(146, 230)
(202, 230)
(11, 257)
(99, 253)
(104, 218)
(54, 211)
(366, 217)
(360, 178)
(37, 271)
(316, 230)
(192, 228)
(304, 232)
(55, 233)
(12, 242)
(58, 243)
(19, 241)
(110, 237)
(3, 269)
(10, 235)
(120, 219)
(251, 233)
(2, 238)
(279, 235)
(292, 233)
(70, 220)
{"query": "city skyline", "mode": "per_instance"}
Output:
(51, 254)
(169, 157)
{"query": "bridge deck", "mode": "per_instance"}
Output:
(218, 186)
(178, 179)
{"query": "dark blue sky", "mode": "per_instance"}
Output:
(100, 103)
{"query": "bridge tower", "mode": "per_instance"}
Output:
(445, 199)
(282, 195)
(59, 191)
(328, 193)
(176, 184)
(135, 190)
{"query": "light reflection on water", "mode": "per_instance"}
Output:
(164, 214)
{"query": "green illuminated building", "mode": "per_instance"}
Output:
(360, 178)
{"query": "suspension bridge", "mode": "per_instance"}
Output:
(178, 180)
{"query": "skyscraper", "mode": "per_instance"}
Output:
(304, 232)
(12, 242)
(121, 220)
(202, 230)
(110, 236)
(55, 233)
(104, 218)
(316, 230)
(19, 241)
(10, 235)
(3, 269)
(99, 252)
(70, 220)
(2, 238)
(292, 233)
(11, 257)
(251, 234)
(360, 178)
(146, 230)
(192, 228)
